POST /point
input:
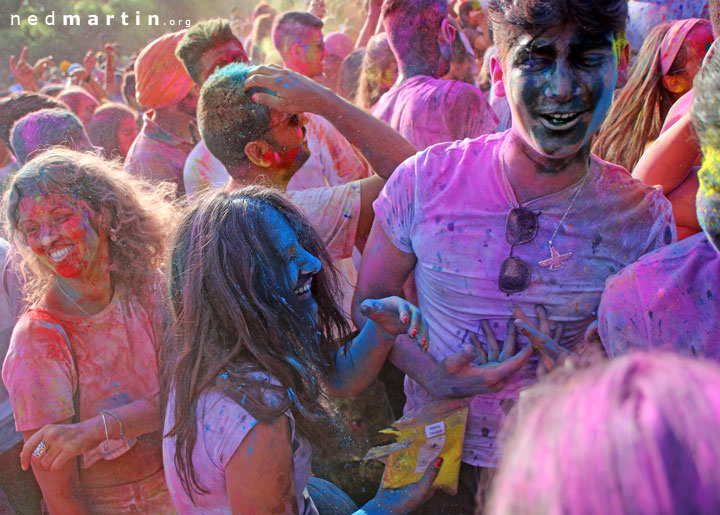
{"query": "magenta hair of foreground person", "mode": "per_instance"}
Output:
(640, 434)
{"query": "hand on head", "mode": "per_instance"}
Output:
(291, 91)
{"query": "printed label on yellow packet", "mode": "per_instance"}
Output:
(431, 431)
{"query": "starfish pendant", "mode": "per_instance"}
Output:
(557, 260)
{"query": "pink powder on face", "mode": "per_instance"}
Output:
(312, 53)
(52, 223)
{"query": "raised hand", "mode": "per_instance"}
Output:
(111, 86)
(291, 92)
(89, 62)
(110, 55)
(397, 316)
(42, 64)
(23, 72)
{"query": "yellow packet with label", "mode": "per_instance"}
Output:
(431, 431)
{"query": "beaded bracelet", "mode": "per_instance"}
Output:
(113, 415)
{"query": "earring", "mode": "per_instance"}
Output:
(113, 235)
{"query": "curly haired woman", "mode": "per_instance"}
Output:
(82, 368)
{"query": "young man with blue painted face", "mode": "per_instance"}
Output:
(525, 218)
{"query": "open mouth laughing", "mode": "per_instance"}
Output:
(560, 121)
(59, 254)
(304, 288)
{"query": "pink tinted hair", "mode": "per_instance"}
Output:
(73, 96)
(640, 434)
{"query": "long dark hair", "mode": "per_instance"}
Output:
(235, 315)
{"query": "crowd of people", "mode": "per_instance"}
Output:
(234, 255)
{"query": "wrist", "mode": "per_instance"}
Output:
(94, 432)
(383, 338)
(115, 425)
(370, 508)
(329, 105)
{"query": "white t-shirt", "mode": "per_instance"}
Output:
(448, 206)
(334, 213)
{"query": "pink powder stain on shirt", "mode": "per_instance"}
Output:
(428, 111)
(115, 351)
(448, 206)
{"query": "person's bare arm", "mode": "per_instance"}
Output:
(111, 86)
(382, 146)
(260, 476)
(61, 488)
(370, 26)
(669, 159)
(370, 188)
(23, 72)
(682, 199)
(358, 363)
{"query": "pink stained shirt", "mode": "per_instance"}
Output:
(667, 300)
(222, 425)
(448, 205)
(117, 361)
(158, 155)
(427, 111)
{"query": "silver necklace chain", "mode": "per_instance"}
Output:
(567, 211)
(68, 297)
(506, 183)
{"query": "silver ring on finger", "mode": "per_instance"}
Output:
(40, 450)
